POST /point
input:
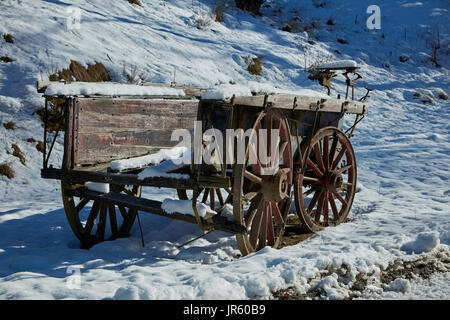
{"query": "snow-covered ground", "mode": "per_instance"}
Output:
(402, 147)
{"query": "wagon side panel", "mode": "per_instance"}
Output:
(109, 129)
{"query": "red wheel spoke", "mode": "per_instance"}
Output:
(318, 157)
(211, 199)
(263, 232)
(256, 225)
(81, 205)
(91, 218)
(325, 152)
(333, 148)
(333, 207)
(252, 177)
(314, 168)
(343, 169)
(310, 179)
(123, 212)
(112, 219)
(205, 195)
(277, 213)
(319, 207)
(100, 233)
(338, 158)
(270, 230)
(342, 200)
(219, 196)
(314, 201)
(325, 208)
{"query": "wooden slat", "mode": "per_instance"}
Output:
(286, 101)
(109, 129)
(79, 176)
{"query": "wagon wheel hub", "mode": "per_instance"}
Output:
(333, 181)
(275, 187)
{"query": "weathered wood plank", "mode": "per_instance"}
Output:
(79, 176)
(286, 101)
(109, 129)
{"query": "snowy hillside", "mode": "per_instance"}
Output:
(402, 146)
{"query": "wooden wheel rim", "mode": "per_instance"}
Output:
(265, 219)
(329, 180)
(101, 215)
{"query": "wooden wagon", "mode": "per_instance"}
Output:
(295, 151)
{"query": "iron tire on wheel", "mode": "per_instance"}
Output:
(324, 189)
(101, 214)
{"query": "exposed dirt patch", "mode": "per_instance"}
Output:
(438, 262)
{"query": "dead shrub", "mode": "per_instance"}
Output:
(40, 146)
(255, 67)
(76, 72)
(18, 153)
(342, 41)
(9, 125)
(55, 115)
(136, 2)
(6, 170)
(219, 11)
(8, 38)
(6, 59)
(31, 140)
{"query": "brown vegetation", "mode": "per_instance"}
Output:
(6, 59)
(18, 153)
(255, 65)
(9, 125)
(6, 170)
(8, 38)
(76, 72)
(136, 2)
(40, 146)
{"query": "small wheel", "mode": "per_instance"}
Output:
(89, 218)
(324, 188)
(209, 196)
(262, 185)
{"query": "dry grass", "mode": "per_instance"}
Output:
(31, 140)
(255, 66)
(136, 2)
(40, 146)
(6, 59)
(6, 170)
(9, 126)
(55, 115)
(76, 72)
(8, 38)
(18, 153)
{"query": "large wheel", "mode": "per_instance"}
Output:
(93, 221)
(325, 187)
(262, 185)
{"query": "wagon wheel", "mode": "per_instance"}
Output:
(325, 188)
(263, 186)
(93, 221)
(209, 195)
